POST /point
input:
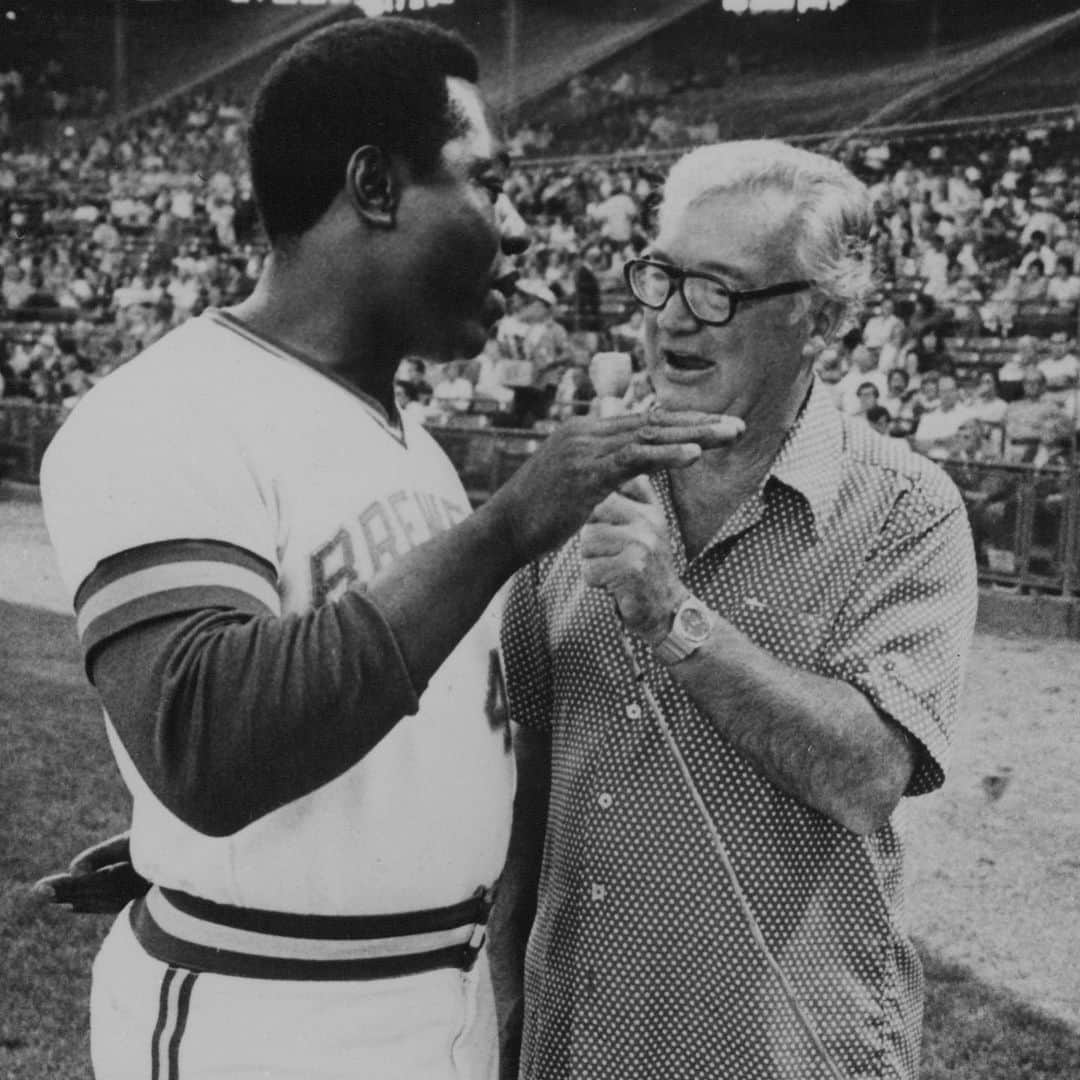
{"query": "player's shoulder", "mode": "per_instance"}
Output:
(169, 385)
(175, 364)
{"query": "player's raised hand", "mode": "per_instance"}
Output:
(585, 459)
(100, 880)
(626, 551)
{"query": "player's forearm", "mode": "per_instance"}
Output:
(435, 593)
(229, 717)
(816, 738)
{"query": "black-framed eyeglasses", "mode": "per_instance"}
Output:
(706, 296)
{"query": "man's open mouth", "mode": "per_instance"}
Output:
(682, 361)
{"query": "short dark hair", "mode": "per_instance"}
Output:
(365, 82)
(876, 413)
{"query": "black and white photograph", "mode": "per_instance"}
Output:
(539, 539)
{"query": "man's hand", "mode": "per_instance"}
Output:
(99, 881)
(626, 551)
(583, 460)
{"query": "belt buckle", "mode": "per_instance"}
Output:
(471, 949)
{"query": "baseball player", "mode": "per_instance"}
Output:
(281, 596)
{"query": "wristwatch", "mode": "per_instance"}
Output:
(691, 626)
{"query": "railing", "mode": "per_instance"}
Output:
(954, 127)
(1025, 521)
(25, 431)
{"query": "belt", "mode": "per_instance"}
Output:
(200, 935)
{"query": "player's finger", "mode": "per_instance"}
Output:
(707, 431)
(658, 417)
(115, 849)
(636, 458)
(49, 890)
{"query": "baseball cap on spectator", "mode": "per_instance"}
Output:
(536, 290)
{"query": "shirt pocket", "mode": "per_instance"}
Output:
(796, 637)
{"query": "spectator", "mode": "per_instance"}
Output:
(926, 397)
(453, 395)
(491, 393)
(936, 430)
(1063, 288)
(868, 396)
(989, 408)
(970, 464)
(1032, 288)
(587, 289)
(877, 416)
(1061, 366)
(16, 287)
(897, 400)
(1037, 250)
(934, 268)
(829, 368)
(927, 316)
(1024, 419)
(864, 369)
(573, 394)
(616, 215)
(883, 326)
(927, 353)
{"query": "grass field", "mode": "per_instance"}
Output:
(995, 896)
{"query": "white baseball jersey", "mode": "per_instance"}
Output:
(219, 467)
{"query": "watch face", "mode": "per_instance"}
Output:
(694, 624)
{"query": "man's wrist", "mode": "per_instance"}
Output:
(654, 631)
(691, 625)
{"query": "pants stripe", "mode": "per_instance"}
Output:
(159, 1027)
(183, 1009)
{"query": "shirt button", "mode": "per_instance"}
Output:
(598, 892)
(633, 711)
(605, 800)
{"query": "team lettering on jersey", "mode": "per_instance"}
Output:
(384, 530)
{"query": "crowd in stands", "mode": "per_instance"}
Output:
(109, 240)
(46, 90)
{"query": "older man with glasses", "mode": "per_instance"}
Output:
(729, 681)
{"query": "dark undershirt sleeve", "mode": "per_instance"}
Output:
(229, 716)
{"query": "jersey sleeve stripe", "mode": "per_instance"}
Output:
(169, 553)
(172, 576)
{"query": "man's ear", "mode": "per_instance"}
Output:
(826, 320)
(373, 186)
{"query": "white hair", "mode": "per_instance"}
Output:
(831, 209)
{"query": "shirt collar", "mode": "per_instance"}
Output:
(809, 458)
(808, 462)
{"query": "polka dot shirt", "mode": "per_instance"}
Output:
(853, 560)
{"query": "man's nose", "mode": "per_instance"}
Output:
(675, 316)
